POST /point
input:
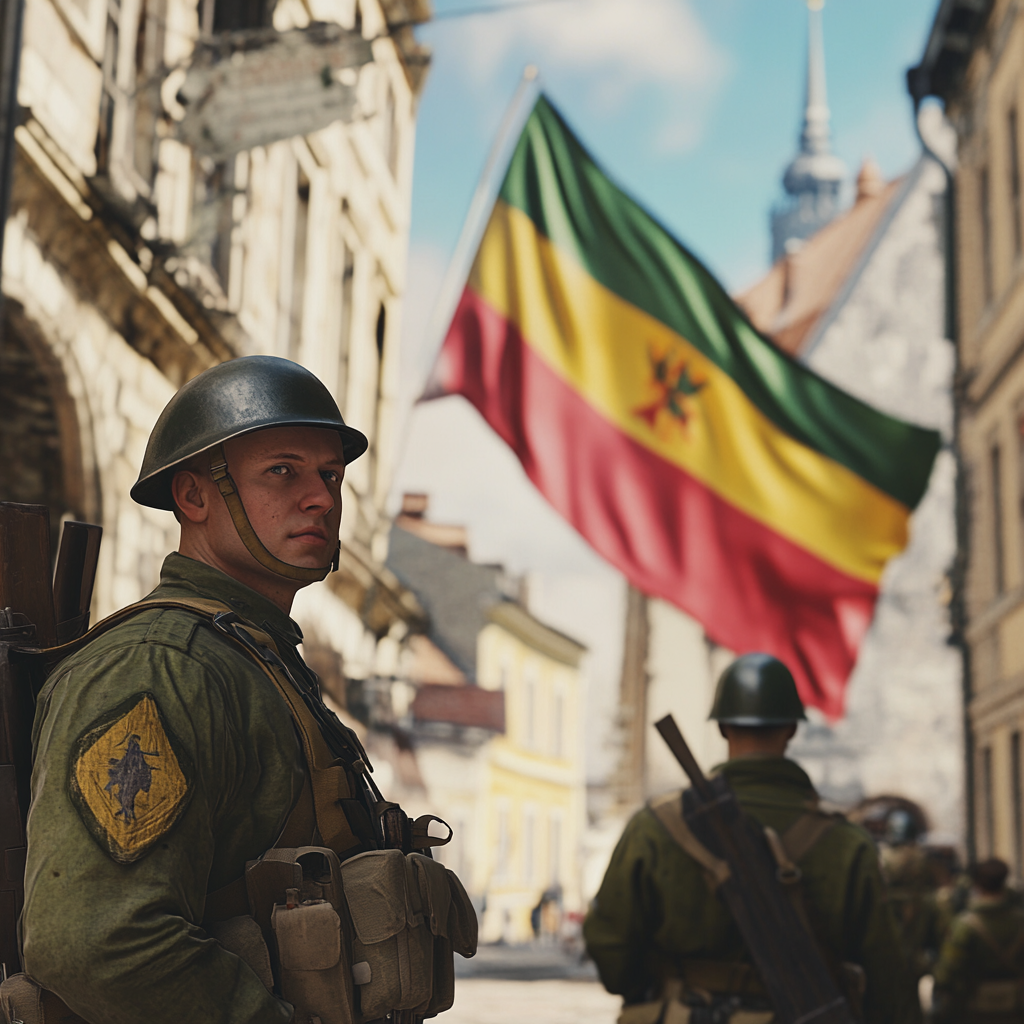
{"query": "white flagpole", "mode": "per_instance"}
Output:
(479, 211)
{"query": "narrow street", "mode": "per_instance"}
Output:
(534, 984)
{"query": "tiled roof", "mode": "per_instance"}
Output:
(455, 593)
(800, 288)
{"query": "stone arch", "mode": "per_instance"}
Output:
(39, 430)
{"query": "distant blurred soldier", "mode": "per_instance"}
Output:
(911, 880)
(979, 978)
(659, 934)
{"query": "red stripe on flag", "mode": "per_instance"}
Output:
(670, 535)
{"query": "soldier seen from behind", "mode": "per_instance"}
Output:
(663, 940)
(979, 978)
(911, 880)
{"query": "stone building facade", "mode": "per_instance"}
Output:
(972, 63)
(132, 262)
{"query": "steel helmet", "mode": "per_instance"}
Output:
(757, 689)
(226, 401)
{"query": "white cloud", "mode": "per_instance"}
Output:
(641, 41)
(618, 47)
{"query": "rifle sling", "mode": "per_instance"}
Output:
(668, 810)
(796, 843)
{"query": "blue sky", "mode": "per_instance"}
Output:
(693, 105)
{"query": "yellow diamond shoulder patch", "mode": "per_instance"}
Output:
(130, 779)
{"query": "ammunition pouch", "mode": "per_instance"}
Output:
(356, 940)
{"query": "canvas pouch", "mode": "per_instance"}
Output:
(409, 916)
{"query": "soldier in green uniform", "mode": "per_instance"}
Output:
(910, 880)
(659, 934)
(164, 757)
(979, 978)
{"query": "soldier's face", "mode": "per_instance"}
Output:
(289, 479)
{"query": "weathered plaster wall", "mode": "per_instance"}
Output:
(903, 728)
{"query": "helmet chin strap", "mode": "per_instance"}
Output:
(298, 573)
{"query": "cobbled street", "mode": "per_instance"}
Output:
(533, 984)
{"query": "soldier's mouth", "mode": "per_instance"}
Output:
(311, 535)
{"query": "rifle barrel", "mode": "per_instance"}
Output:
(74, 577)
(680, 749)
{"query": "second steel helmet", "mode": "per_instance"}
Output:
(226, 401)
(756, 690)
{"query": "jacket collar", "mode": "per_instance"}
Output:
(180, 573)
(748, 775)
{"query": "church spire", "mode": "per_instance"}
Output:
(814, 177)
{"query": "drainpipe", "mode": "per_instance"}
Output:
(918, 86)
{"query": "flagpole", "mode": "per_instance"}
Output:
(479, 211)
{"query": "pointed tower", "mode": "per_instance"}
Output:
(812, 181)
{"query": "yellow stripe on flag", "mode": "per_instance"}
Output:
(665, 394)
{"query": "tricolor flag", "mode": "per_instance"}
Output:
(709, 467)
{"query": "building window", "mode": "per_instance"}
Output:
(108, 92)
(529, 844)
(1017, 795)
(988, 822)
(985, 202)
(228, 15)
(348, 274)
(1013, 142)
(558, 725)
(213, 215)
(300, 245)
(998, 552)
(381, 333)
(529, 711)
(501, 864)
(391, 130)
(149, 52)
(555, 849)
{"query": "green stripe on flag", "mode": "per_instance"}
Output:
(558, 186)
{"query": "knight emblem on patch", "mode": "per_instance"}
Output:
(130, 779)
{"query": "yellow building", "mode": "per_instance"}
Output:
(972, 62)
(496, 725)
(533, 791)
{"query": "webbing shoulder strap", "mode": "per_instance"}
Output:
(798, 840)
(668, 810)
(801, 837)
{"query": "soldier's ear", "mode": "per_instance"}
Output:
(189, 496)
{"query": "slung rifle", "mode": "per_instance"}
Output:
(798, 982)
(35, 615)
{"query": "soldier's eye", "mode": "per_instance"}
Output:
(330, 474)
(280, 470)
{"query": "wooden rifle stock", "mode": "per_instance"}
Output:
(798, 982)
(30, 622)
